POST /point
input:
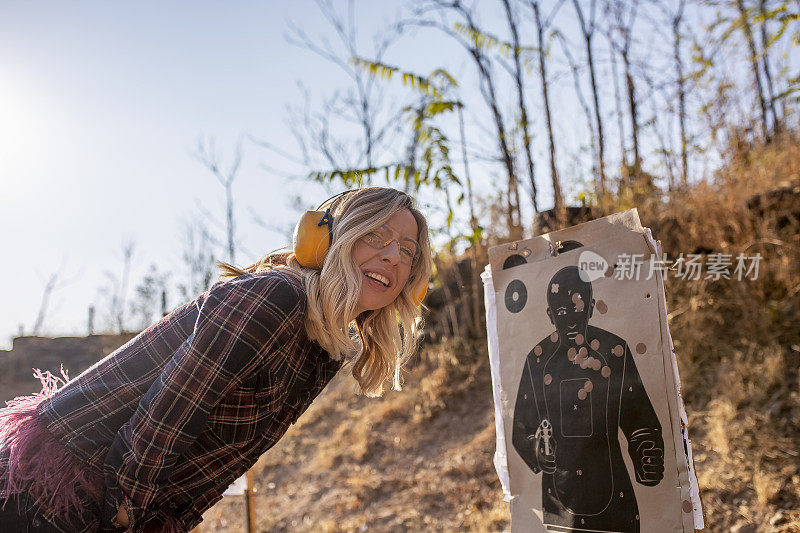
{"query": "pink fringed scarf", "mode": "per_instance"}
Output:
(39, 464)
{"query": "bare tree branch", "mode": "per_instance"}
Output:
(208, 156)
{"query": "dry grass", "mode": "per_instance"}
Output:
(738, 342)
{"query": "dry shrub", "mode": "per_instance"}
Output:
(721, 412)
(737, 341)
(767, 487)
(361, 484)
(350, 438)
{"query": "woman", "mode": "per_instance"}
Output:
(149, 437)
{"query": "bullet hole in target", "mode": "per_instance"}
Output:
(578, 301)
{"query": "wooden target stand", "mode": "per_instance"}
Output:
(244, 486)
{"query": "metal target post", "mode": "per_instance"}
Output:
(250, 502)
(242, 486)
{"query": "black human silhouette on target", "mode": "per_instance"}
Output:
(579, 385)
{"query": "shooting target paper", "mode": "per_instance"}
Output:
(590, 421)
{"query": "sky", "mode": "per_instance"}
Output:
(101, 107)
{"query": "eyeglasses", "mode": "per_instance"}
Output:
(382, 237)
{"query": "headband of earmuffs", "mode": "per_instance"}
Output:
(313, 236)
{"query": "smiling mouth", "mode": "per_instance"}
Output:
(377, 279)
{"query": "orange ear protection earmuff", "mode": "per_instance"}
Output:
(421, 295)
(313, 236)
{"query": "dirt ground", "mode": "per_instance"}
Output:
(419, 459)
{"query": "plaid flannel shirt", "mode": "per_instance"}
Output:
(171, 418)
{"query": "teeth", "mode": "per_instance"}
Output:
(378, 277)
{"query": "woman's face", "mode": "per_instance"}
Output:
(390, 264)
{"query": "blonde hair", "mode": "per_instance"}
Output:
(388, 336)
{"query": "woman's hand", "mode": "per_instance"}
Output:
(122, 517)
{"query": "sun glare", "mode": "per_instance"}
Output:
(20, 127)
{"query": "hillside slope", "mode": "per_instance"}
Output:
(419, 459)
